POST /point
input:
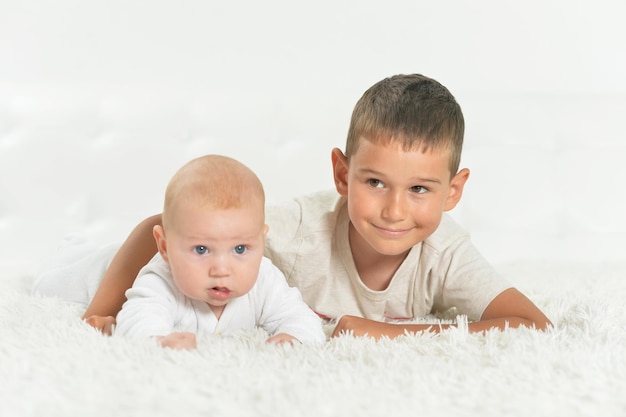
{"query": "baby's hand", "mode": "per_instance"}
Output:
(281, 338)
(180, 340)
(103, 323)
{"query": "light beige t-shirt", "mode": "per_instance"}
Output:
(308, 241)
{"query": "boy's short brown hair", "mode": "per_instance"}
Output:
(414, 110)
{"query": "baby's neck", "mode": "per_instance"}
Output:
(217, 310)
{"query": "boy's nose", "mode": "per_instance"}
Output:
(395, 207)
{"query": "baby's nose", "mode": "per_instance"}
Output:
(219, 267)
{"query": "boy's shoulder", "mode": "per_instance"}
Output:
(313, 212)
(317, 201)
(448, 234)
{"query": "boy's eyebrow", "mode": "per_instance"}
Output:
(380, 174)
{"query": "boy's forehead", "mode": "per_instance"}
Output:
(402, 146)
(380, 156)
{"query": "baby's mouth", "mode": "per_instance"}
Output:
(220, 292)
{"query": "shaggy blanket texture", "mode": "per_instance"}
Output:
(52, 364)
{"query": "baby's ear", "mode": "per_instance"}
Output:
(340, 171)
(456, 189)
(159, 236)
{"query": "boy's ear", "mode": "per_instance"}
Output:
(456, 189)
(340, 171)
(159, 236)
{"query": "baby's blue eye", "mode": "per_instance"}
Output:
(200, 250)
(240, 249)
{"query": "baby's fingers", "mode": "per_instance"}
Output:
(281, 338)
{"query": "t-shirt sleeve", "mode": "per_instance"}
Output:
(469, 282)
(281, 242)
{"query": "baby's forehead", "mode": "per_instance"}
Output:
(214, 196)
(198, 209)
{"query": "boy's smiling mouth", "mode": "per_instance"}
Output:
(392, 232)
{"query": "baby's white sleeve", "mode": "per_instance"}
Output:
(280, 308)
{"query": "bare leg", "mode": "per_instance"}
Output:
(134, 253)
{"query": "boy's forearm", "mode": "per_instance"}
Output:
(359, 326)
(134, 253)
(363, 327)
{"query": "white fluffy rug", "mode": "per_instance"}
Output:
(51, 364)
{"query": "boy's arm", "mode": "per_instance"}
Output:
(510, 307)
(134, 253)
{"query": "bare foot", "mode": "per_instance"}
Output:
(103, 323)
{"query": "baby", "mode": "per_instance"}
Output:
(210, 274)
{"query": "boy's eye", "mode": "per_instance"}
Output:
(375, 183)
(418, 189)
(240, 249)
(200, 250)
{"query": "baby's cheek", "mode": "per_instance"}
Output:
(248, 282)
(186, 285)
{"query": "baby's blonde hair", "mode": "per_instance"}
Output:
(215, 182)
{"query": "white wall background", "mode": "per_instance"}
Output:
(101, 101)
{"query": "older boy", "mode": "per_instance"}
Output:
(381, 248)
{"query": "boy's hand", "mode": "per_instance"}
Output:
(103, 323)
(179, 340)
(281, 338)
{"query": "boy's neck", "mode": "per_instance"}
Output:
(375, 269)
